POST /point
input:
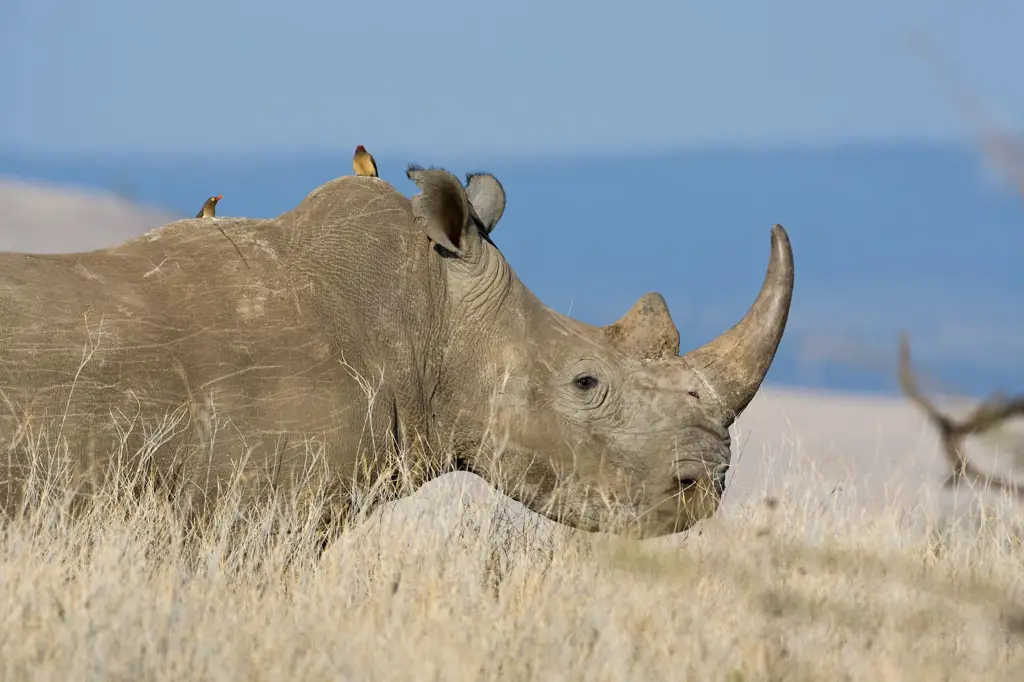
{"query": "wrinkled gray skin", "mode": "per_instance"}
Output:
(360, 291)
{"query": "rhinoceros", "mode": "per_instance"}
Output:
(368, 328)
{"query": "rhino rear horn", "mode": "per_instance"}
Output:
(441, 206)
(488, 198)
(646, 331)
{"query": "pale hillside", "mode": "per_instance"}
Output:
(40, 218)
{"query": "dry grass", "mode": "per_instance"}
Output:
(457, 583)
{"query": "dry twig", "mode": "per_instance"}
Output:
(988, 415)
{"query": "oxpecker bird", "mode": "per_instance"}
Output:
(209, 209)
(363, 163)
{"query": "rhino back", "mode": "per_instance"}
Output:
(172, 334)
(375, 283)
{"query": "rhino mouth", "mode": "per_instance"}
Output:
(715, 476)
(701, 453)
(710, 466)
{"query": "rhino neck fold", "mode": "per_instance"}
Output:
(483, 310)
(479, 286)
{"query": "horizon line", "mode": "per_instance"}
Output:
(966, 143)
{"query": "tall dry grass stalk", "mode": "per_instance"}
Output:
(459, 584)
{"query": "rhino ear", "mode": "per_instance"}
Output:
(441, 207)
(646, 331)
(488, 198)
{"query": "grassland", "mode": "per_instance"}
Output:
(789, 582)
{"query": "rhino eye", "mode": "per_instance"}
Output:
(585, 382)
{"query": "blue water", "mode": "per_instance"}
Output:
(885, 237)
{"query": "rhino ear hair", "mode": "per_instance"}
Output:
(487, 196)
(441, 206)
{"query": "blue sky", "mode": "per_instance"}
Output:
(523, 78)
(727, 119)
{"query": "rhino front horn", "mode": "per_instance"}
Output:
(734, 364)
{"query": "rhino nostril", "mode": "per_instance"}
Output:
(686, 482)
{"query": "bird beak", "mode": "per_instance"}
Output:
(217, 198)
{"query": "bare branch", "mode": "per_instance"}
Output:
(989, 414)
(1004, 149)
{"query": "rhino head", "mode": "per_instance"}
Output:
(602, 428)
